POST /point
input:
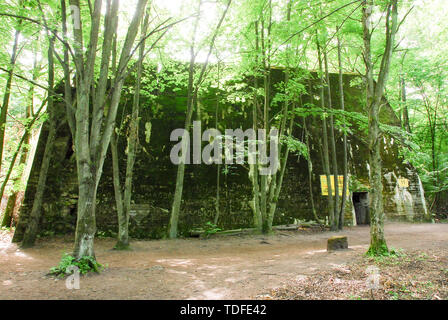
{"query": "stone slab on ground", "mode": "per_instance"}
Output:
(337, 243)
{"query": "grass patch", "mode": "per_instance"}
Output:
(393, 257)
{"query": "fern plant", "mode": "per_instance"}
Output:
(85, 265)
(210, 228)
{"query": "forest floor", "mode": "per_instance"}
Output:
(286, 265)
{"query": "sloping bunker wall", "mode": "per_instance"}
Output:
(155, 175)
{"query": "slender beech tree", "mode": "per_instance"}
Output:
(253, 168)
(335, 222)
(14, 201)
(218, 167)
(324, 138)
(192, 101)
(310, 160)
(267, 183)
(7, 94)
(6, 220)
(344, 144)
(30, 234)
(123, 199)
(404, 112)
(375, 92)
(93, 125)
(403, 99)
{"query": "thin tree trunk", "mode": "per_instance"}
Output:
(335, 223)
(12, 205)
(90, 154)
(6, 218)
(16, 154)
(253, 169)
(117, 184)
(344, 160)
(276, 182)
(123, 227)
(326, 156)
(67, 75)
(406, 123)
(310, 170)
(264, 185)
(30, 234)
(375, 93)
(218, 190)
(7, 95)
(174, 218)
(87, 173)
(218, 168)
(377, 239)
(263, 177)
(310, 160)
(193, 89)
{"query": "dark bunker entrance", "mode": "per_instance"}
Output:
(361, 204)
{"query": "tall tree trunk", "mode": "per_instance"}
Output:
(193, 88)
(123, 226)
(310, 160)
(7, 94)
(265, 53)
(325, 151)
(30, 234)
(91, 147)
(218, 168)
(335, 222)
(405, 118)
(310, 170)
(6, 220)
(12, 199)
(12, 205)
(266, 185)
(21, 226)
(254, 168)
(175, 209)
(375, 93)
(87, 173)
(344, 160)
(86, 222)
(67, 74)
(276, 179)
(117, 185)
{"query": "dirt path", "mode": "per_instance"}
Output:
(235, 267)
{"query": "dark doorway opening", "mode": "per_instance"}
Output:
(361, 204)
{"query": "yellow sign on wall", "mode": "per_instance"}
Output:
(403, 183)
(324, 185)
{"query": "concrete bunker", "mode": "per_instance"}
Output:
(156, 175)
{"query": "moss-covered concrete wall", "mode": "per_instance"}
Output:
(154, 176)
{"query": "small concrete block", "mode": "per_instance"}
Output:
(337, 243)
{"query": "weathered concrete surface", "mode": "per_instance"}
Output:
(337, 243)
(155, 175)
